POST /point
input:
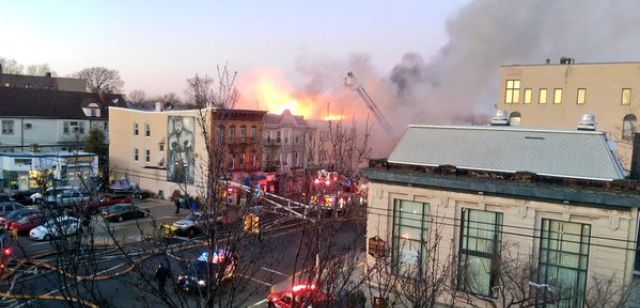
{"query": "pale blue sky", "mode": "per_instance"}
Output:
(157, 44)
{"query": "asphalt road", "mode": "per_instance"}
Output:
(264, 265)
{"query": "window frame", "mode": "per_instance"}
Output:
(136, 154)
(557, 99)
(543, 259)
(542, 99)
(584, 96)
(528, 96)
(628, 97)
(8, 127)
(147, 156)
(147, 130)
(631, 118)
(512, 91)
(465, 222)
(396, 240)
(136, 129)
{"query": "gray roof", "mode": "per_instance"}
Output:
(571, 154)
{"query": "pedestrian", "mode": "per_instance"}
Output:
(161, 276)
(194, 205)
(177, 202)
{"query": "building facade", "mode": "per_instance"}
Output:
(495, 209)
(165, 150)
(31, 170)
(57, 120)
(285, 149)
(557, 95)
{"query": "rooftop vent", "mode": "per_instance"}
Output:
(159, 106)
(501, 118)
(587, 122)
(567, 60)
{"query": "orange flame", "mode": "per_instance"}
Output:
(334, 117)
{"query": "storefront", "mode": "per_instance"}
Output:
(29, 170)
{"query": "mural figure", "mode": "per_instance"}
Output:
(181, 161)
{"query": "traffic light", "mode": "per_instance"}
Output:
(252, 223)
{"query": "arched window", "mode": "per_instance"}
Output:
(629, 124)
(514, 118)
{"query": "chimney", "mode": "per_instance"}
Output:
(159, 106)
(548, 60)
(635, 158)
(47, 74)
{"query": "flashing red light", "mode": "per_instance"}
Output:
(1, 265)
(8, 251)
(316, 181)
(327, 182)
(230, 189)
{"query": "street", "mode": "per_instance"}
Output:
(111, 279)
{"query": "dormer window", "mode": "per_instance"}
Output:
(91, 110)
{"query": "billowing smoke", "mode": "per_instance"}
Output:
(463, 78)
(460, 84)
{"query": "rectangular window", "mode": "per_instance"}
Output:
(147, 130)
(7, 127)
(243, 134)
(72, 127)
(480, 244)
(512, 92)
(105, 125)
(557, 96)
(147, 155)
(564, 255)
(232, 134)
(135, 129)
(582, 96)
(93, 112)
(81, 127)
(161, 147)
(527, 96)
(135, 154)
(254, 133)
(626, 96)
(410, 238)
(542, 96)
(279, 137)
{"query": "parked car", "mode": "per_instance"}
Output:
(23, 197)
(142, 194)
(5, 198)
(104, 199)
(57, 227)
(40, 198)
(17, 214)
(68, 197)
(221, 263)
(299, 296)
(7, 207)
(122, 212)
(25, 223)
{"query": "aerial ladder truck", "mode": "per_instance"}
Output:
(351, 82)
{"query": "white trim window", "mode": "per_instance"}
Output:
(136, 153)
(147, 156)
(7, 127)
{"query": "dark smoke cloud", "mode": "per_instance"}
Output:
(461, 81)
(463, 78)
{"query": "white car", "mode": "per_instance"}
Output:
(57, 227)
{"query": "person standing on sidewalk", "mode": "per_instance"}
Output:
(162, 274)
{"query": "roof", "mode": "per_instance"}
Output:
(40, 103)
(570, 154)
(284, 118)
(574, 64)
(586, 196)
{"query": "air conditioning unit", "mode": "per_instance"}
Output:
(27, 125)
(501, 118)
(587, 122)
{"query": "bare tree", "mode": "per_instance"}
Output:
(137, 96)
(39, 69)
(101, 79)
(11, 66)
(349, 146)
(610, 292)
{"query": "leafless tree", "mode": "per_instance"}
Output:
(101, 79)
(39, 69)
(137, 96)
(11, 66)
(349, 146)
(610, 292)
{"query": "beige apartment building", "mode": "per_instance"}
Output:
(164, 150)
(557, 95)
(488, 212)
